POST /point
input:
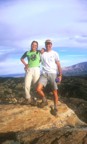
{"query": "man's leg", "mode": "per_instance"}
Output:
(54, 86)
(55, 93)
(40, 92)
(52, 78)
(42, 83)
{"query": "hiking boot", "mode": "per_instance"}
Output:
(33, 102)
(26, 102)
(43, 104)
(54, 111)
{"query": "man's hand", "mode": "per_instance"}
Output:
(60, 78)
(59, 70)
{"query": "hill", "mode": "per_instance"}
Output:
(79, 69)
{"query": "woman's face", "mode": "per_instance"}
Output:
(34, 46)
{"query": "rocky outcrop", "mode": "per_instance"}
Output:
(32, 124)
(64, 135)
(26, 124)
(20, 117)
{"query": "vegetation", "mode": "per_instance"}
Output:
(75, 87)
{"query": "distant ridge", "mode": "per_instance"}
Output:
(79, 69)
(13, 75)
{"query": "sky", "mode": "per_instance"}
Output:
(22, 21)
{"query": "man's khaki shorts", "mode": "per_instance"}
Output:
(48, 78)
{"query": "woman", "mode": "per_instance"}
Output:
(32, 69)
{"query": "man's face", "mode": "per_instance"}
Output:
(48, 46)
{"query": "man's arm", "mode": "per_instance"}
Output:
(59, 70)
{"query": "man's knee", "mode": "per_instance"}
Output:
(55, 92)
(39, 88)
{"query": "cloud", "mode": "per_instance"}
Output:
(11, 66)
(21, 22)
(24, 20)
(81, 39)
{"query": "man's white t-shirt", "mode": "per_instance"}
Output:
(48, 61)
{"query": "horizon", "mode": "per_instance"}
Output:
(62, 21)
(22, 74)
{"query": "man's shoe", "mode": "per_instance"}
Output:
(43, 104)
(54, 111)
(34, 102)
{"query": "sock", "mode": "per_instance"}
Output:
(55, 106)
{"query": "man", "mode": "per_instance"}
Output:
(51, 70)
(32, 70)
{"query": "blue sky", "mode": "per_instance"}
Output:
(22, 21)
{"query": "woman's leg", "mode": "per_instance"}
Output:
(36, 75)
(28, 81)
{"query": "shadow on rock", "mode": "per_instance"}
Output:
(48, 136)
(79, 106)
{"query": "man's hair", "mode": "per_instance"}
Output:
(48, 41)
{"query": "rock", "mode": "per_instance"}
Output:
(20, 117)
(25, 124)
(54, 136)
(77, 105)
(8, 91)
(48, 136)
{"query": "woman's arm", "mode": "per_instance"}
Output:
(24, 62)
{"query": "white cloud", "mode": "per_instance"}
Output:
(11, 66)
(21, 22)
(27, 20)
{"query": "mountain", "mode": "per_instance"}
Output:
(79, 69)
(13, 75)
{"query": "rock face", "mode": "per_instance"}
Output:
(25, 124)
(55, 136)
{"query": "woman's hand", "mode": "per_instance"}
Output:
(26, 67)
